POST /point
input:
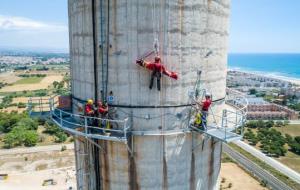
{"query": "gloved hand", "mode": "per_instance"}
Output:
(140, 62)
(174, 75)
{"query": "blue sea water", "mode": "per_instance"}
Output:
(283, 65)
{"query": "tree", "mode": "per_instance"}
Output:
(251, 124)
(297, 139)
(260, 124)
(286, 122)
(30, 138)
(278, 124)
(61, 137)
(269, 124)
(288, 138)
(55, 84)
(28, 124)
(252, 91)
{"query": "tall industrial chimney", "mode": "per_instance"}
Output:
(106, 38)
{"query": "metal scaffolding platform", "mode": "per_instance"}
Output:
(91, 127)
(226, 127)
(229, 126)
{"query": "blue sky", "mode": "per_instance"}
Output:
(265, 26)
(255, 25)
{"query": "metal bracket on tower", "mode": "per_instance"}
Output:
(97, 145)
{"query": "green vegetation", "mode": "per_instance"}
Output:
(271, 141)
(6, 101)
(252, 91)
(19, 130)
(53, 129)
(2, 84)
(63, 87)
(294, 143)
(267, 167)
(42, 68)
(8, 97)
(32, 75)
(226, 158)
(295, 106)
(29, 80)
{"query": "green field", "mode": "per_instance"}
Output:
(29, 80)
(291, 160)
(293, 130)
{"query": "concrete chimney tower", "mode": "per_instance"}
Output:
(158, 151)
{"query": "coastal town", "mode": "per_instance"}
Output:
(269, 98)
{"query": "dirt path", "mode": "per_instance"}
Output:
(238, 178)
(35, 149)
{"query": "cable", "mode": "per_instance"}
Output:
(148, 106)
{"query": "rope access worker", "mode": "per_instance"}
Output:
(103, 109)
(205, 105)
(103, 113)
(157, 69)
(89, 111)
(198, 120)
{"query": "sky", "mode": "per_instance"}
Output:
(265, 26)
(35, 24)
(256, 26)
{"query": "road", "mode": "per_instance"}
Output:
(256, 170)
(29, 150)
(272, 162)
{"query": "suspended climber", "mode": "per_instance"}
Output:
(157, 69)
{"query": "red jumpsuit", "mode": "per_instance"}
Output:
(89, 110)
(158, 68)
(103, 110)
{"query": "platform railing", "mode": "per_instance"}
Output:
(228, 124)
(93, 127)
(40, 104)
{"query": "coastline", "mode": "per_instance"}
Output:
(276, 76)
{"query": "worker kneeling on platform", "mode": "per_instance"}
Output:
(205, 105)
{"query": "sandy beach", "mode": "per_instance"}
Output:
(295, 81)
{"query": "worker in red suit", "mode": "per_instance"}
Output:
(102, 109)
(103, 113)
(157, 69)
(205, 105)
(89, 110)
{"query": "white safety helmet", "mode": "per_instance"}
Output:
(207, 94)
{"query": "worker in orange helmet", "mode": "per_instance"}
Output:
(157, 69)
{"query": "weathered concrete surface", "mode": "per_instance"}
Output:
(187, 30)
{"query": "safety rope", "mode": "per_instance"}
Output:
(102, 44)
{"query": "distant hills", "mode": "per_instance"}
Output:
(33, 52)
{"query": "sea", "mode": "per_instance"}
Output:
(273, 65)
